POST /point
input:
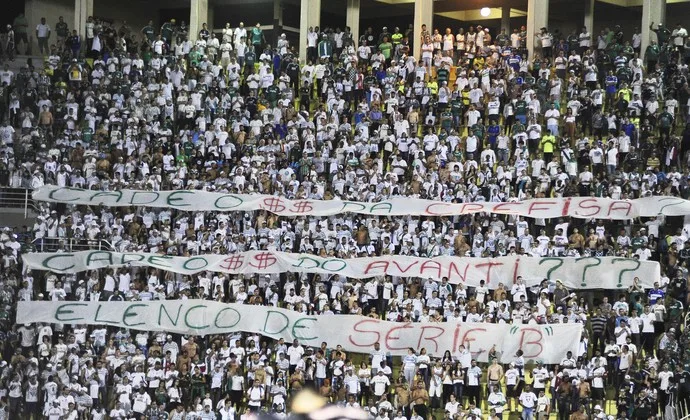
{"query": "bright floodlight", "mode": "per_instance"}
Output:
(485, 11)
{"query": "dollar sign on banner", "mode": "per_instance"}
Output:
(233, 262)
(302, 207)
(263, 260)
(273, 204)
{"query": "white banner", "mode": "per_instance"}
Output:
(548, 343)
(576, 273)
(579, 207)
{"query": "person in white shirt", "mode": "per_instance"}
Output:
(527, 400)
(42, 35)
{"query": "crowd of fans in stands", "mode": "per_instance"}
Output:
(472, 119)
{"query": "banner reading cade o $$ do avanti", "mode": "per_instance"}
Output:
(546, 208)
(576, 273)
(548, 343)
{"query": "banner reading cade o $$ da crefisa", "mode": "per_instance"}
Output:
(547, 208)
(548, 343)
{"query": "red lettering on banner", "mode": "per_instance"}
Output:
(302, 207)
(390, 337)
(452, 267)
(232, 262)
(566, 207)
(408, 267)
(488, 271)
(626, 205)
(383, 264)
(456, 336)
(432, 339)
(595, 207)
(533, 206)
(356, 327)
(500, 206)
(433, 213)
(431, 265)
(471, 208)
(515, 270)
(467, 338)
(537, 342)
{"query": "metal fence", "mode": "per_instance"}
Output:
(17, 198)
(70, 244)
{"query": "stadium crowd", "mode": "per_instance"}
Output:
(473, 119)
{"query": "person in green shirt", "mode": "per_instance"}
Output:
(442, 74)
(651, 55)
(386, 48)
(273, 93)
(167, 31)
(547, 145)
(665, 123)
(257, 37)
(397, 37)
(521, 111)
(148, 32)
(21, 28)
(456, 109)
(62, 32)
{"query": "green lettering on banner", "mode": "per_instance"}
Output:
(297, 325)
(382, 207)
(128, 313)
(105, 321)
(97, 256)
(117, 194)
(154, 260)
(162, 309)
(358, 206)
(46, 262)
(285, 319)
(141, 203)
(341, 265)
(217, 203)
(596, 262)
(302, 259)
(60, 311)
(187, 264)
(218, 316)
(625, 260)
(554, 268)
(51, 196)
(172, 198)
(130, 258)
(186, 318)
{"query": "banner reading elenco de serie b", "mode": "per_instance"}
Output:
(580, 207)
(548, 343)
(576, 273)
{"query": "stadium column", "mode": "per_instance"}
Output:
(277, 20)
(423, 15)
(505, 19)
(82, 10)
(537, 18)
(198, 15)
(589, 18)
(310, 16)
(352, 18)
(653, 11)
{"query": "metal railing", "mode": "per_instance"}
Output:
(17, 198)
(46, 244)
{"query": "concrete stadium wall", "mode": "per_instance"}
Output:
(34, 10)
(137, 13)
